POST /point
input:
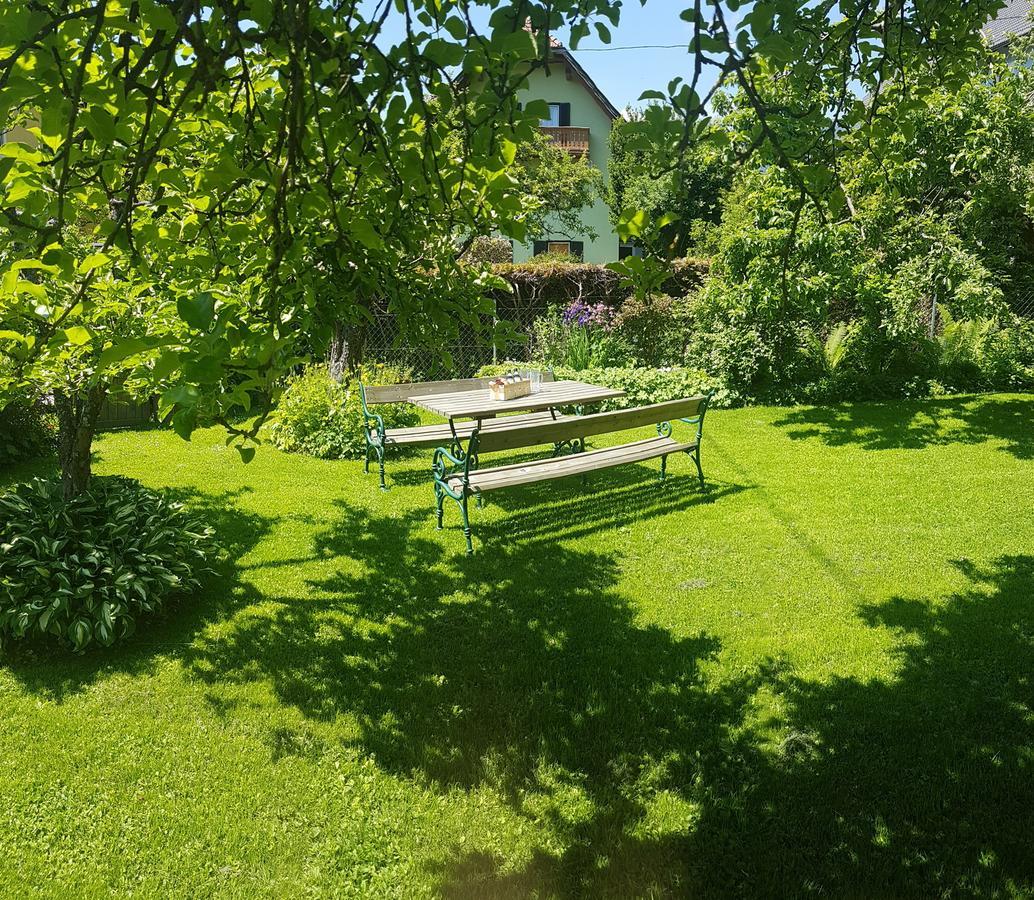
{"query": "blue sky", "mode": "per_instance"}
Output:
(621, 73)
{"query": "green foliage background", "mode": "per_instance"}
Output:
(27, 430)
(322, 418)
(932, 230)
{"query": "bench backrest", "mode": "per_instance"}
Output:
(399, 393)
(690, 409)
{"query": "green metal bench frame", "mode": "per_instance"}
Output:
(378, 438)
(456, 471)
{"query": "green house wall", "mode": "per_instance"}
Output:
(556, 87)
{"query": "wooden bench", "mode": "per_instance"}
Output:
(379, 438)
(460, 478)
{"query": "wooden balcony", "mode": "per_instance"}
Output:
(572, 138)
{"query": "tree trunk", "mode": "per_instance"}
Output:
(347, 348)
(77, 417)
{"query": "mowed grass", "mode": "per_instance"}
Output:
(815, 678)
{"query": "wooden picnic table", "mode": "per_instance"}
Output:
(479, 404)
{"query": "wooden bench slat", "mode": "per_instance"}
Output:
(435, 435)
(575, 427)
(484, 480)
(475, 404)
(399, 393)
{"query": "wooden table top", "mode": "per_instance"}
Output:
(478, 404)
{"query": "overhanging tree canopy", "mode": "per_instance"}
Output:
(230, 160)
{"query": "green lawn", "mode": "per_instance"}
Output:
(818, 678)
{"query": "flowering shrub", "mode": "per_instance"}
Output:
(596, 315)
(580, 336)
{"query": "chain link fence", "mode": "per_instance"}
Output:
(472, 348)
(534, 289)
(1023, 305)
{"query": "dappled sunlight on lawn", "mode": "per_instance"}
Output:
(521, 671)
(813, 676)
(914, 424)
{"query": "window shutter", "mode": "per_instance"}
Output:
(565, 114)
(578, 249)
(539, 247)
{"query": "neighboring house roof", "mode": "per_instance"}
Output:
(1013, 20)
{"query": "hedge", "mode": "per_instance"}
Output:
(642, 386)
(553, 281)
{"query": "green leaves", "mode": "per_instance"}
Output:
(456, 27)
(197, 310)
(77, 335)
(443, 53)
(93, 261)
(184, 423)
(100, 123)
(364, 231)
(124, 349)
(631, 223)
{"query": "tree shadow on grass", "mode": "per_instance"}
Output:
(921, 785)
(920, 423)
(56, 672)
(526, 671)
(522, 669)
(27, 469)
(574, 507)
(566, 510)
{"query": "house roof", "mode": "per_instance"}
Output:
(560, 54)
(1012, 20)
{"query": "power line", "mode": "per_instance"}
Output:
(632, 47)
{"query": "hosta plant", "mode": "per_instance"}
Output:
(86, 570)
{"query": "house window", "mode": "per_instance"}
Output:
(626, 250)
(559, 115)
(573, 248)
